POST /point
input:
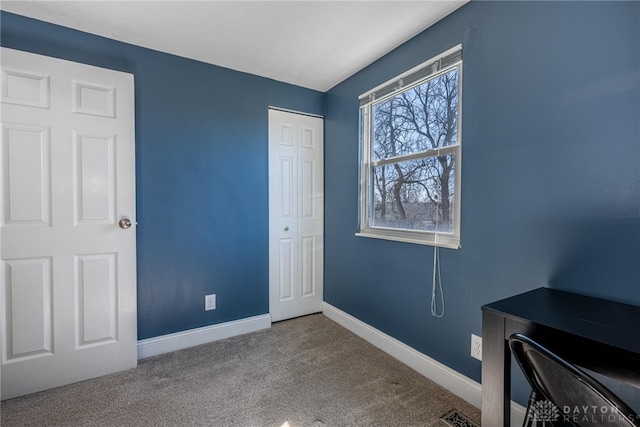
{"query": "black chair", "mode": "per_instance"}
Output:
(564, 395)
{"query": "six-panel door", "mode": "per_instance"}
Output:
(68, 294)
(296, 194)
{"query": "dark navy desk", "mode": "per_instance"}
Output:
(600, 335)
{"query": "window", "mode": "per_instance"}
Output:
(410, 155)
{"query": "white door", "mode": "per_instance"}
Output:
(68, 270)
(296, 209)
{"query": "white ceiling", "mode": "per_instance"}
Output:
(314, 44)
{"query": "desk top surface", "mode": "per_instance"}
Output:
(604, 321)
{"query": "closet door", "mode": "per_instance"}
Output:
(296, 208)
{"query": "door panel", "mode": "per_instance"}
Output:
(25, 88)
(286, 291)
(28, 308)
(308, 265)
(27, 164)
(295, 214)
(68, 292)
(96, 299)
(94, 178)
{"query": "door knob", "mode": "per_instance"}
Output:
(286, 229)
(124, 223)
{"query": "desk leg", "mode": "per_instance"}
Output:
(496, 372)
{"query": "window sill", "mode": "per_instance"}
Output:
(430, 239)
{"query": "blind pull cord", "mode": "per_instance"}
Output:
(436, 283)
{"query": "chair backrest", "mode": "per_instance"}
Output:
(576, 396)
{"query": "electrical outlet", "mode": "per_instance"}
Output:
(476, 347)
(210, 302)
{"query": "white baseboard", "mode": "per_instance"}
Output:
(517, 414)
(184, 339)
(452, 380)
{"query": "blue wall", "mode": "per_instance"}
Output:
(550, 173)
(201, 174)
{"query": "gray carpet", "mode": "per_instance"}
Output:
(307, 371)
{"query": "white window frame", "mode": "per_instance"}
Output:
(430, 69)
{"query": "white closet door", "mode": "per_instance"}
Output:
(296, 195)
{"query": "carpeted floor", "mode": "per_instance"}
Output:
(307, 371)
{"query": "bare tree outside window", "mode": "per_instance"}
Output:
(411, 153)
(414, 184)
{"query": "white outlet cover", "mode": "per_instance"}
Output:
(476, 347)
(210, 302)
